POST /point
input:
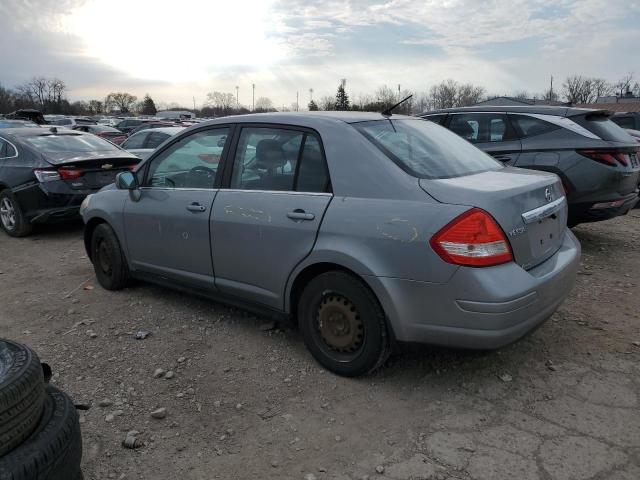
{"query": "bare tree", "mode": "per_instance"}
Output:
(264, 104)
(444, 94)
(625, 84)
(327, 103)
(122, 101)
(469, 94)
(95, 106)
(222, 102)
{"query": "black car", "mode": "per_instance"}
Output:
(45, 173)
(596, 160)
(128, 124)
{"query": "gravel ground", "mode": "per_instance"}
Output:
(246, 401)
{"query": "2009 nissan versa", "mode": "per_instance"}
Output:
(365, 229)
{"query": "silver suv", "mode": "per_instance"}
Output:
(595, 158)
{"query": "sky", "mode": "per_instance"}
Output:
(180, 50)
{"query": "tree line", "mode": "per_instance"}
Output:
(49, 96)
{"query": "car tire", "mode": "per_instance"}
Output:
(54, 450)
(22, 394)
(108, 259)
(16, 225)
(343, 324)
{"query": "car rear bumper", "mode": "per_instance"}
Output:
(50, 202)
(602, 210)
(479, 308)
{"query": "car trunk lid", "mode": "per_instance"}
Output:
(93, 171)
(529, 206)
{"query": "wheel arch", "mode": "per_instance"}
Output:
(89, 228)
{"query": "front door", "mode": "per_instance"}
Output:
(167, 229)
(266, 222)
(490, 132)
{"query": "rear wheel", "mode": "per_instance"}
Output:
(11, 216)
(108, 260)
(343, 325)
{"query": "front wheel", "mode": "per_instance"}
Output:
(343, 325)
(108, 260)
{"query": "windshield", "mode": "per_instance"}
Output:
(69, 143)
(426, 150)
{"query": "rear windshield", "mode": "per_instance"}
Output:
(69, 143)
(426, 150)
(602, 126)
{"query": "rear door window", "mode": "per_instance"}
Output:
(481, 127)
(266, 159)
(530, 127)
(312, 175)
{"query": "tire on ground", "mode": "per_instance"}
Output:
(54, 449)
(375, 347)
(23, 227)
(104, 242)
(22, 394)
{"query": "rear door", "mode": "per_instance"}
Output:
(491, 132)
(167, 229)
(266, 221)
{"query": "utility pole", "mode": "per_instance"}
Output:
(297, 106)
(399, 92)
(253, 101)
(194, 103)
(237, 102)
(311, 95)
(551, 90)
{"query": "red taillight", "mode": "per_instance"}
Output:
(606, 157)
(473, 239)
(69, 173)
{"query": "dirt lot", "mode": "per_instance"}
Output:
(246, 402)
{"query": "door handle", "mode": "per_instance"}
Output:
(299, 214)
(196, 207)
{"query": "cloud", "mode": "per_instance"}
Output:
(178, 51)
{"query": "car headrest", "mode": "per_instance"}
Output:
(269, 154)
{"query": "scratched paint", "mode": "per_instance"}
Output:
(248, 213)
(399, 230)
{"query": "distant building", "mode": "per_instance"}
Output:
(615, 103)
(175, 114)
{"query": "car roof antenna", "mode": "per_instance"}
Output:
(387, 112)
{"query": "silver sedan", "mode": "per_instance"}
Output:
(366, 230)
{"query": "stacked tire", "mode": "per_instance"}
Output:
(39, 429)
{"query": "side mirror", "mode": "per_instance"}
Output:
(126, 181)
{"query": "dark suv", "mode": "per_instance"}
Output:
(596, 159)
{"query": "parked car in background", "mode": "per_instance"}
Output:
(360, 227)
(128, 124)
(152, 124)
(45, 173)
(70, 122)
(4, 123)
(596, 160)
(110, 133)
(143, 143)
(29, 114)
(630, 120)
(110, 122)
